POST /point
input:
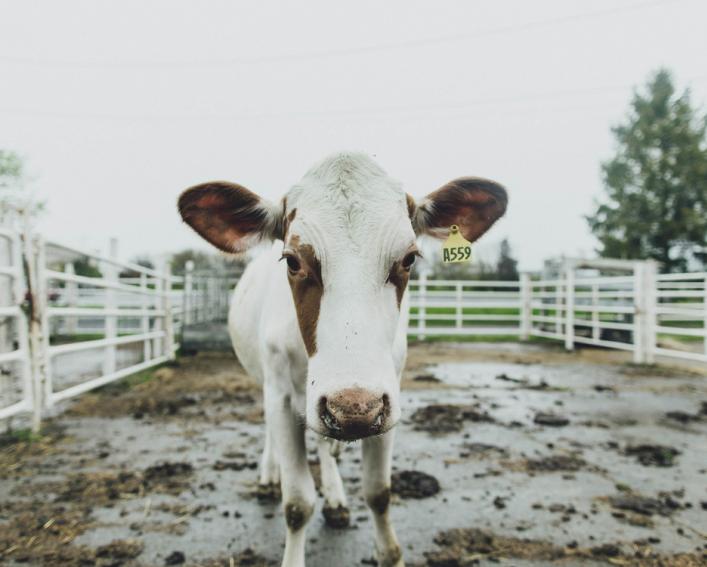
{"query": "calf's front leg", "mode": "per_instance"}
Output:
(336, 511)
(377, 458)
(298, 492)
(269, 481)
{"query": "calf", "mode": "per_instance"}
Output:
(320, 318)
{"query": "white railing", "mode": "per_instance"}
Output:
(681, 312)
(70, 333)
(465, 308)
(114, 355)
(83, 332)
(18, 390)
(647, 314)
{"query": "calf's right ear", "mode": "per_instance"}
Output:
(229, 216)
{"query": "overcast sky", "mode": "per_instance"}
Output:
(118, 106)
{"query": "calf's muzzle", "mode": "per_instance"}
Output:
(354, 413)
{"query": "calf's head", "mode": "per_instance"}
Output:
(349, 235)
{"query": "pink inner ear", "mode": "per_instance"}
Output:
(224, 214)
(472, 204)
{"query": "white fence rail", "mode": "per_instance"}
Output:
(647, 314)
(18, 391)
(69, 333)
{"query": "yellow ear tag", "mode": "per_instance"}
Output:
(456, 248)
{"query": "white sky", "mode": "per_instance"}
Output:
(118, 106)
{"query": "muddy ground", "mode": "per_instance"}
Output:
(507, 455)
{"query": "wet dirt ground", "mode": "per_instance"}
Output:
(506, 455)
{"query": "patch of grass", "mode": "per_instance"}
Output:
(79, 338)
(125, 384)
(24, 435)
(470, 339)
(467, 310)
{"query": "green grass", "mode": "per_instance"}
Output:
(490, 311)
(412, 339)
(468, 310)
(79, 338)
(25, 435)
(125, 384)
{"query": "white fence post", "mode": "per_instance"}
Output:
(188, 316)
(71, 291)
(169, 340)
(569, 307)
(422, 306)
(704, 309)
(45, 328)
(145, 319)
(18, 297)
(596, 334)
(558, 306)
(110, 273)
(650, 282)
(36, 333)
(639, 313)
(459, 310)
(526, 311)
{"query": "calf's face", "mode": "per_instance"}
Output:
(349, 235)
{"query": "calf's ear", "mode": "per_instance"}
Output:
(472, 203)
(229, 216)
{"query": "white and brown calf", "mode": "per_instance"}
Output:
(324, 330)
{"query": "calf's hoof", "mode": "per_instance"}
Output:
(268, 492)
(337, 518)
(391, 558)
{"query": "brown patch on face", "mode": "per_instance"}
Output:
(399, 277)
(307, 290)
(410, 204)
(222, 213)
(380, 502)
(472, 203)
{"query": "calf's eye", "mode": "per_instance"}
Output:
(293, 264)
(409, 260)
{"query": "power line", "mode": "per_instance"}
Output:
(386, 110)
(312, 55)
(333, 113)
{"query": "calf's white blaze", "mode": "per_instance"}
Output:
(355, 218)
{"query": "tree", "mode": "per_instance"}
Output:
(143, 261)
(656, 185)
(13, 186)
(204, 261)
(507, 265)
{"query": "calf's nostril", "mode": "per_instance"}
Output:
(326, 415)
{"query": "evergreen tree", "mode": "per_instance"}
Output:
(507, 266)
(656, 185)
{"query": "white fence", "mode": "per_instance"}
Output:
(62, 334)
(645, 313)
(16, 375)
(68, 333)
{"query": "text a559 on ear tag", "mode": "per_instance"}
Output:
(456, 248)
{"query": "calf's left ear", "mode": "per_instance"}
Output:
(472, 203)
(229, 216)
